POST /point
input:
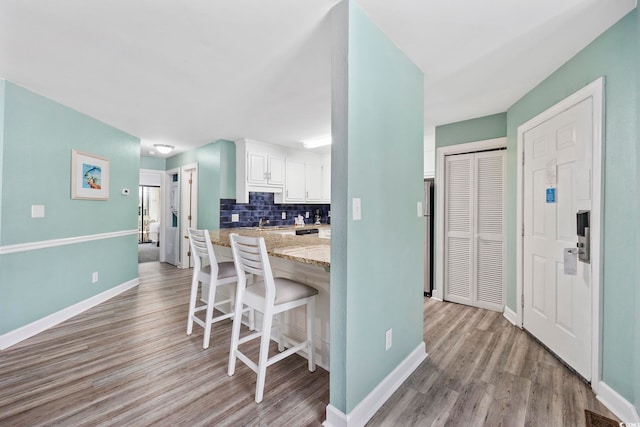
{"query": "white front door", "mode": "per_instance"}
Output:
(557, 306)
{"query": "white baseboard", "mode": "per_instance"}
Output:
(617, 404)
(379, 395)
(40, 325)
(511, 316)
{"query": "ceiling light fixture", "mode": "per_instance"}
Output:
(318, 142)
(163, 148)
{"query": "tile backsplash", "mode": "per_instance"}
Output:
(261, 205)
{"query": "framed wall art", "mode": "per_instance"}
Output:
(89, 176)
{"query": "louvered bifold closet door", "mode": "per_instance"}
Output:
(490, 245)
(458, 274)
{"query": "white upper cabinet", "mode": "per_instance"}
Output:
(263, 168)
(276, 170)
(313, 182)
(259, 167)
(294, 176)
(295, 182)
(256, 168)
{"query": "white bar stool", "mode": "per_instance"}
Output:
(208, 270)
(270, 296)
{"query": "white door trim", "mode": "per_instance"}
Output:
(469, 147)
(595, 91)
(168, 181)
(185, 208)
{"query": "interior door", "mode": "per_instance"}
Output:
(458, 247)
(475, 229)
(557, 184)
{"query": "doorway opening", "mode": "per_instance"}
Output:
(149, 214)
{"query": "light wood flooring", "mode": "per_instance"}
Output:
(129, 362)
(482, 371)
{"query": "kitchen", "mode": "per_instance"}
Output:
(282, 195)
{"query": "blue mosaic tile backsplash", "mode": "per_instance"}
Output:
(261, 205)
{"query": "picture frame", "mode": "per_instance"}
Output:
(89, 176)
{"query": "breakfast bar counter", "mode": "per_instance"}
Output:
(282, 242)
(305, 258)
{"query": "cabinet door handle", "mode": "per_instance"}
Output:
(307, 194)
(287, 193)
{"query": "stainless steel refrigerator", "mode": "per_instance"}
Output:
(428, 235)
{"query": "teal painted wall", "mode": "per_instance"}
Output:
(339, 204)
(214, 181)
(227, 169)
(480, 129)
(3, 84)
(153, 163)
(613, 55)
(383, 165)
(637, 308)
(39, 135)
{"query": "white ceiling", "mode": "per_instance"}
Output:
(186, 73)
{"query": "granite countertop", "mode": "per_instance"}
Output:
(308, 249)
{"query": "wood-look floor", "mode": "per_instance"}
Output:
(129, 362)
(482, 371)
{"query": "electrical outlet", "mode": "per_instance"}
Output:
(306, 215)
(235, 217)
(284, 215)
(94, 277)
(388, 339)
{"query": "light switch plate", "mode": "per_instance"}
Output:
(37, 211)
(284, 215)
(235, 217)
(357, 209)
(419, 208)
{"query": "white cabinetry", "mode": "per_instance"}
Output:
(303, 181)
(313, 182)
(295, 176)
(259, 167)
(265, 169)
(294, 182)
